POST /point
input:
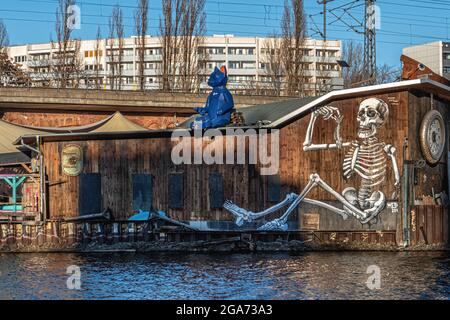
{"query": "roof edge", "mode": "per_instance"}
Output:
(368, 89)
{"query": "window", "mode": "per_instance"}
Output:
(234, 65)
(142, 191)
(176, 191)
(216, 195)
(273, 188)
(90, 194)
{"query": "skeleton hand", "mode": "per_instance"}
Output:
(329, 112)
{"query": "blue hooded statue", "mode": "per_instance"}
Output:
(217, 110)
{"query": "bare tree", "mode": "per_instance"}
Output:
(170, 28)
(116, 48)
(193, 28)
(111, 52)
(293, 26)
(273, 65)
(387, 74)
(118, 16)
(98, 53)
(353, 54)
(67, 67)
(4, 39)
(141, 20)
(10, 73)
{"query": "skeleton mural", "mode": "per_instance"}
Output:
(366, 157)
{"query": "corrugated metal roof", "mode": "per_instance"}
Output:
(264, 114)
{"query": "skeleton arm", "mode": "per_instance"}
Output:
(390, 151)
(327, 113)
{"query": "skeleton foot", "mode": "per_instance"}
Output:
(276, 224)
(240, 214)
(243, 215)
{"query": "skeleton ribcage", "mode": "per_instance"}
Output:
(368, 160)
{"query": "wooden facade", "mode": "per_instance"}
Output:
(191, 191)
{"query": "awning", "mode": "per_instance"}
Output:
(10, 134)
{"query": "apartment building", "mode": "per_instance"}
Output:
(435, 55)
(245, 57)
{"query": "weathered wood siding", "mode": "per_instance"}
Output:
(118, 160)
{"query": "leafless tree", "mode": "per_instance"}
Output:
(293, 26)
(116, 48)
(273, 65)
(111, 52)
(193, 24)
(170, 29)
(353, 54)
(10, 73)
(98, 53)
(141, 21)
(4, 39)
(118, 17)
(387, 74)
(67, 68)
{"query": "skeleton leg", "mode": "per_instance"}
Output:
(315, 180)
(281, 222)
(249, 216)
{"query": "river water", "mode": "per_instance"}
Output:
(317, 275)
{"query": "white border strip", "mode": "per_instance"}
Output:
(368, 89)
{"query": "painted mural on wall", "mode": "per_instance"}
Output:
(365, 157)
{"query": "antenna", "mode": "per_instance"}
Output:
(324, 12)
(370, 48)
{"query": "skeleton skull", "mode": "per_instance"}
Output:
(371, 115)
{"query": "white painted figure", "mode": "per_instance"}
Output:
(366, 157)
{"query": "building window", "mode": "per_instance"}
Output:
(142, 191)
(90, 194)
(176, 191)
(216, 196)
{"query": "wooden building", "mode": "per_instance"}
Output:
(123, 172)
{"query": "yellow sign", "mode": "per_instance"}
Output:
(72, 159)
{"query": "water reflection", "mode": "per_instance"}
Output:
(319, 275)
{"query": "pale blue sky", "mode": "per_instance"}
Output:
(403, 22)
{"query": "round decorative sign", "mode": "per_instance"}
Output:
(72, 160)
(432, 136)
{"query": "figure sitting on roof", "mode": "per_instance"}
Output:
(218, 107)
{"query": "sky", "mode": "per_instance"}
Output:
(402, 22)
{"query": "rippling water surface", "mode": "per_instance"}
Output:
(319, 275)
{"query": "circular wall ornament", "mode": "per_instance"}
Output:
(432, 136)
(72, 160)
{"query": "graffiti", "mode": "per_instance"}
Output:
(366, 157)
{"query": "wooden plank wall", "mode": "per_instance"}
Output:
(432, 176)
(243, 184)
(429, 225)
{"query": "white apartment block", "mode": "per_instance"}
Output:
(435, 55)
(245, 58)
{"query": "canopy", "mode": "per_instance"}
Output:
(10, 133)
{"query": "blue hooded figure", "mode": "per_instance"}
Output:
(218, 107)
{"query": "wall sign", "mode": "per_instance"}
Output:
(310, 221)
(72, 160)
